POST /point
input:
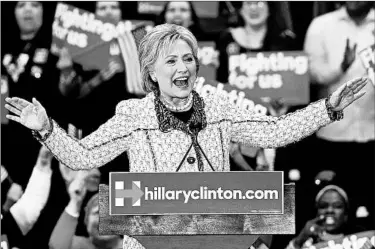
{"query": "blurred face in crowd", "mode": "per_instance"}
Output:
(358, 9)
(93, 226)
(175, 70)
(255, 13)
(332, 206)
(110, 10)
(178, 13)
(29, 16)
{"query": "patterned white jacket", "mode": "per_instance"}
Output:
(152, 146)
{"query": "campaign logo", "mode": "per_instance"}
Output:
(135, 193)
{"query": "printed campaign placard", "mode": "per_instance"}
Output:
(194, 224)
(254, 93)
(354, 241)
(367, 56)
(206, 53)
(196, 193)
(207, 84)
(271, 75)
(91, 40)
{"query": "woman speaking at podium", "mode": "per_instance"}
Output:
(173, 128)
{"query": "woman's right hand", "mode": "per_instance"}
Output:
(312, 229)
(32, 115)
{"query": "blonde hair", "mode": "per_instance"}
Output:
(157, 42)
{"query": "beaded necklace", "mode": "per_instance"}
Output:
(182, 108)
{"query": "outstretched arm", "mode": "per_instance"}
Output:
(271, 132)
(95, 150)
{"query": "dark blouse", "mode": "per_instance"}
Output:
(183, 116)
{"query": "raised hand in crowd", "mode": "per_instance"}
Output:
(312, 229)
(77, 192)
(349, 55)
(63, 234)
(113, 68)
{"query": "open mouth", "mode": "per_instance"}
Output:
(181, 82)
(177, 21)
(330, 220)
(254, 15)
(28, 18)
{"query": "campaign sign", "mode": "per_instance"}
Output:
(353, 241)
(196, 193)
(271, 76)
(207, 54)
(194, 224)
(207, 84)
(91, 40)
(367, 56)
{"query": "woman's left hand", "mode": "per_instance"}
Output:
(348, 93)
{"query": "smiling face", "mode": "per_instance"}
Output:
(109, 10)
(178, 13)
(29, 16)
(175, 70)
(255, 13)
(332, 206)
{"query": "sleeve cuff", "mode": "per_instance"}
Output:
(40, 138)
(71, 212)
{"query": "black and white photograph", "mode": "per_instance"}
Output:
(187, 124)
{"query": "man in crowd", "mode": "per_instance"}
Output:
(332, 43)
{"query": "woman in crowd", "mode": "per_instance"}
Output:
(172, 113)
(173, 128)
(258, 29)
(30, 69)
(185, 15)
(331, 222)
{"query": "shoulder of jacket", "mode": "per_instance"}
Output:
(217, 101)
(130, 106)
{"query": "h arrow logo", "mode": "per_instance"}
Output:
(135, 193)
